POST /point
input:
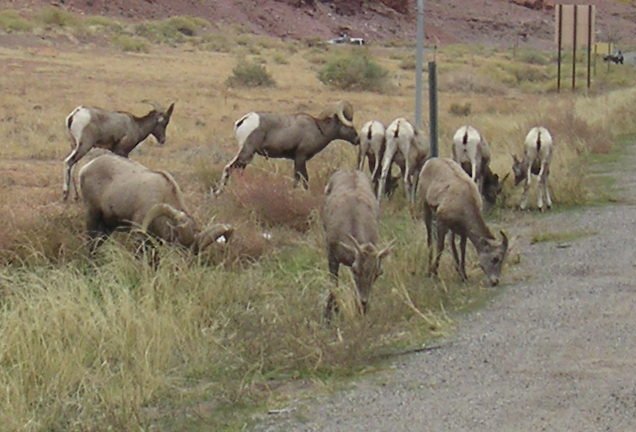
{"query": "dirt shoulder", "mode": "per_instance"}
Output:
(553, 353)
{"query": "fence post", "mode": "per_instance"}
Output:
(432, 108)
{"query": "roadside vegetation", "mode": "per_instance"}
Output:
(113, 344)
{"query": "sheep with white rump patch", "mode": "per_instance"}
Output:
(119, 132)
(298, 137)
(371, 146)
(472, 152)
(350, 219)
(536, 160)
(447, 194)
(120, 192)
(408, 148)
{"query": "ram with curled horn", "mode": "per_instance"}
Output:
(119, 192)
(298, 137)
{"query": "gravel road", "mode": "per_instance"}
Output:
(554, 353)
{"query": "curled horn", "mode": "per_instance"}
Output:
(161, 210)
(344, 110)
(504, 240)
(210, 235)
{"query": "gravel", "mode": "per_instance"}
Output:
(556, 352)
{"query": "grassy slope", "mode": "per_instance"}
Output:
(114, 344)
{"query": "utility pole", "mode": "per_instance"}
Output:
(419, 64)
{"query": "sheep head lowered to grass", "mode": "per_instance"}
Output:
(119, 192)
(298, 137)
(350, 220)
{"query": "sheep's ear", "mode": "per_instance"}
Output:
(170, 109)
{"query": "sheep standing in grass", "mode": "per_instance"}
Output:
(371, 146)
(408, 148)
(350, 220)
(119, 192)
(447, 194)
(119, 132)
(536, 160)
(472, 152)
(298, 137)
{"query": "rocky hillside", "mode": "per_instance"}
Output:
(493, 22)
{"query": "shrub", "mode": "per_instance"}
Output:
(172, 30)
(56, 17)
(11, 21)
(215, 42)
(408, 63)
(250, 74)
(460, 109)
(534, 57)
(280, 58)
(354, 71)
(130, 43)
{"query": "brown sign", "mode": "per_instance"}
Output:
(579, 18)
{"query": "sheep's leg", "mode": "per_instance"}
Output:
(69, 163)
(526, 187)
(473, 170)
(97, 231)
(428, 222)
(541, 186)
(546, 188)
(332, 305)
(441, 237)
(300, 172)
(455, 254)
(462, 262)
(240, 161)
(362, 152)
(387, 160)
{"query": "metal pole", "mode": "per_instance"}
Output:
(559, 46)
(419, 61)
(589, 45)
(432, 106)
(576, 9)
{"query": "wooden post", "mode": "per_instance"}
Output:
(589, 45)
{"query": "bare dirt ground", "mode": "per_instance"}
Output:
(490, 22)
(554, 353)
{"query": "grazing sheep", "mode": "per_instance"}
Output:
(119, 132)
(409, 148)
(122, 193)
(472, 152)
(448, 194)
(536, 160)
(350, 220)
(298, 137)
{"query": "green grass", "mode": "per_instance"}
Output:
(11, 21)
(355, 70)
(131, 44)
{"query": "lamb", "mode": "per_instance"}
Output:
(350, 219)
(409, 148)
(297, 136)
(448, 194)
(120, 192)
(472, 152)
(536, 160)
(120, 132)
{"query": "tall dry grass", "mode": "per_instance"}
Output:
(113, 344)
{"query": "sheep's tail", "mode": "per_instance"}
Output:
(465, 139)
(397, 130)
(539, 141)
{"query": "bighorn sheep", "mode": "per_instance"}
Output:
(119, 132)
(371, 146)
(298, 137)
(409, 148)
(472, 152)
(350, 220)
(448, 194)
(536, 160)
(120, 192)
